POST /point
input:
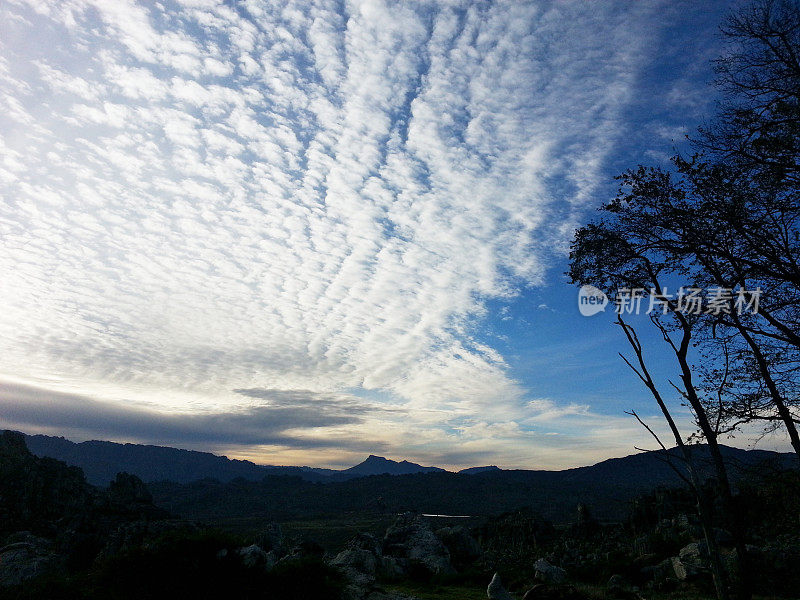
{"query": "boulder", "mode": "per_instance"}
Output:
(358, 585)
(496, 591)
(360, 562)
(366, 541)
(304, 549)
(463, 548)
(25, 559)
(691, 562)
(411, 537)
(393, 568)
(253, 557)
(356, 559)
(684, 571)
(679, 569)
(695, 553)
(547, 573)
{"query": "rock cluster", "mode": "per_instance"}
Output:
(410, 547)
(50, 515)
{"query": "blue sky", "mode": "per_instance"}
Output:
(303, 232)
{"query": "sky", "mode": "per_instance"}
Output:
(304, 232)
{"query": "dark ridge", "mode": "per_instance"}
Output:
(472, 470)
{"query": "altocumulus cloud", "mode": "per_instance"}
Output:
(203, 199)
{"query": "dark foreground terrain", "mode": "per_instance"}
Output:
(200, 485)
(288, 538)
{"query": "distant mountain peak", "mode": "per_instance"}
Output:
(472, 470)
(378, 465)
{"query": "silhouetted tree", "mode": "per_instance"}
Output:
(617, 253)
(728, 218)
(725, 219)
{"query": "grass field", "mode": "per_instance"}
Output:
(443, 592)
(437, 592)
(332, 534)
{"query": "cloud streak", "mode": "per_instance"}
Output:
(279, 422)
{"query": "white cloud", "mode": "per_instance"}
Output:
(544, 409)
(292, 198)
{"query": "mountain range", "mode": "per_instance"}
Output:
(607, 488)
(200, 485)
(101, 461)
